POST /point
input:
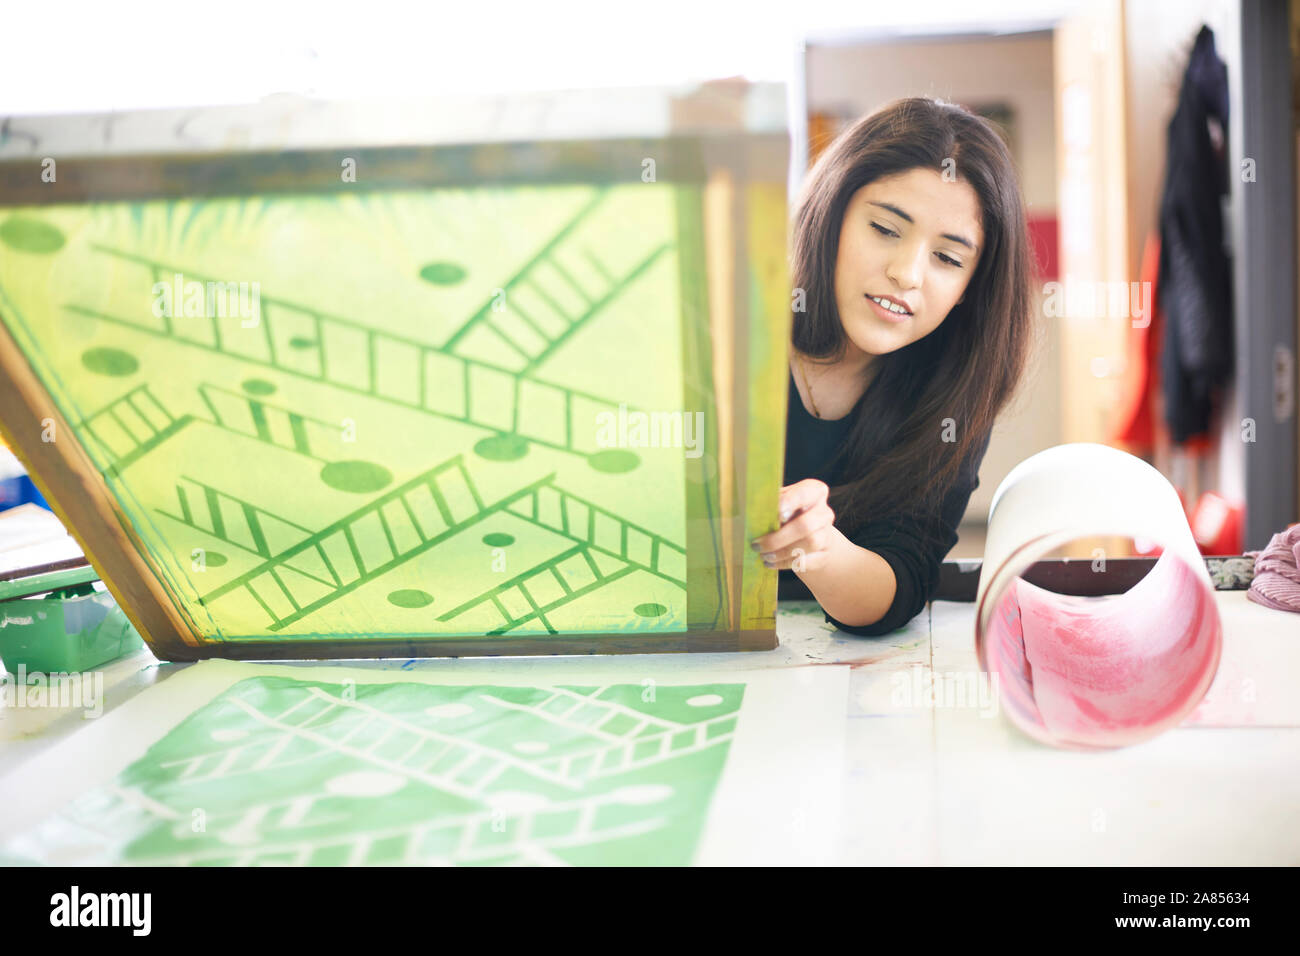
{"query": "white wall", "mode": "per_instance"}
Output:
(145, 54)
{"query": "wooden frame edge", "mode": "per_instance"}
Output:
(585, 645)
(79, 495)
(85, 507)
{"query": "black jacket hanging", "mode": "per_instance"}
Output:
(1194, 285)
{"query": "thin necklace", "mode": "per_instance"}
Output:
(808, 388)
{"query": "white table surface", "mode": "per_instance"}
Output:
(961, 785)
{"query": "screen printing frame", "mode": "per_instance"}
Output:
(741, 181)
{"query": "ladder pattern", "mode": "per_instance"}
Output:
(645, 739)
(347, 554)
(235, 521)
(577, 280)
(462, 839)
(532, 594)
(269, 423)
(546, 303)
(441, 761)
(131, 426)
(453, 788)
(602, 530)
(311, 344)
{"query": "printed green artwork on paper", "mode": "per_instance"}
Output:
(282, 771)
(380, 414)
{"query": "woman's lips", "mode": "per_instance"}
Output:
(885, 313)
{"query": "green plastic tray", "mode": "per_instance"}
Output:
(71, 628)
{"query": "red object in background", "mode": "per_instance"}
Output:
(1216, 524)
(1136, 422)
(1043, 239)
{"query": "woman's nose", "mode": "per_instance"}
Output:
(905, 270)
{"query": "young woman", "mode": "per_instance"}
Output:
(914, 325)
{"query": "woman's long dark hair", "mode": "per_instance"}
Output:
(895, 458)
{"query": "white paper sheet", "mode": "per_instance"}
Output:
(777, 800)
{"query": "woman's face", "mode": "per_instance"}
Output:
(912, 237)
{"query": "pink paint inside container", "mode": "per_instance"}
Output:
(1098, 672)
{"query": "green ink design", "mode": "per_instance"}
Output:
(420, 372)
(277, 770)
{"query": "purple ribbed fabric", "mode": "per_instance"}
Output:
(1277, 572)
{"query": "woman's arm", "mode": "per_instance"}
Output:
(915, 560)
(880, 584)
(855, 586)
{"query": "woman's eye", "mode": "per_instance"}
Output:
(948, 260)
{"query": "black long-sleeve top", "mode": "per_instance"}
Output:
(810, 444)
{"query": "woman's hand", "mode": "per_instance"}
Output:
(807, 533)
